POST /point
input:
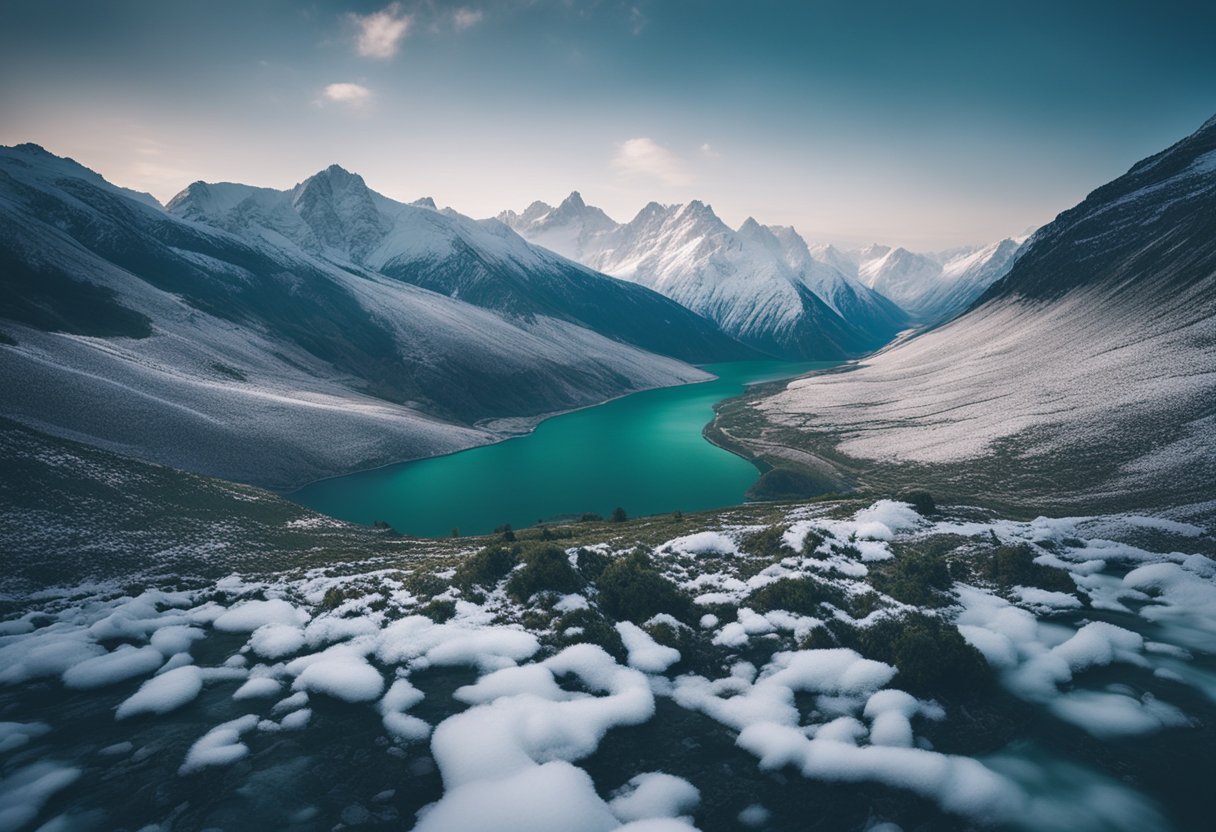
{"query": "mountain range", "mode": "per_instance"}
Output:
(764, 285)
(276, 337)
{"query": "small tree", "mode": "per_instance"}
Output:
(455, 532)
(619, 515)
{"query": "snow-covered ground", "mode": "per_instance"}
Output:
(440, 700)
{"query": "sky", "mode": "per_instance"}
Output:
(926, 124)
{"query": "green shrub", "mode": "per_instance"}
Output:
(336, 596)
(487, 567)
(932, 658)
(1014, 566)
(802, 595)
(545, 569)
(619, 515)
(592, 563)
(920, 500)
(631, 589)
(916, 578)
(439, 610)
(595, 630)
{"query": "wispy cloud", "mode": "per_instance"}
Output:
(464, 18)
(345, 93)
(646, 157)
(380, 33)
(708, 151)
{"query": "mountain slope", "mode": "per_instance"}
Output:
(272, 358)
(760, 285)
(1086, 376)
(334, 215)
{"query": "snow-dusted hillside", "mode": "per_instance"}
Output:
(759, 284)
(1092, 362)
(274, 356)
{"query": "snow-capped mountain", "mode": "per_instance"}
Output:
(1087, 372)
(248, 334)
(931, 287)
(761, 285)
(334, 215)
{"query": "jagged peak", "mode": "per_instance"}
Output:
(575, 200)
(425, 202)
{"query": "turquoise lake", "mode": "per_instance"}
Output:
(643, 452)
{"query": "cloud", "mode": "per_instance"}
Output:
(380, 33)
(350, 95)
(707, 150)
(464, 18)
(646, 157)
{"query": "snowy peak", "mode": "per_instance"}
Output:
(574, 202)
(425, 202)
(932, 287)
(338, 206)
(760, 285)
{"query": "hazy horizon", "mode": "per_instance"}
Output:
(923, 128)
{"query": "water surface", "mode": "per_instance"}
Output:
(643, 452)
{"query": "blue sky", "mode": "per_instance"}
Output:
(925, 124)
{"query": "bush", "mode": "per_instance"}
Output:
(336, 596)
(1014, 566)
(916, 578)
(920, 500)
(619, 515)
(545, 569)
(592, 563)
(797, 595)
(932, 658)
(595, 630)
(631, 589)
(439, 611)
(487, 567)
(591, 517)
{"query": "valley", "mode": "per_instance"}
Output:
(330, 508)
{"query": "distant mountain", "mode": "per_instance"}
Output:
(247, 333)
(761, 285)
(933, 287)
(334, 215)
(1086, 376)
